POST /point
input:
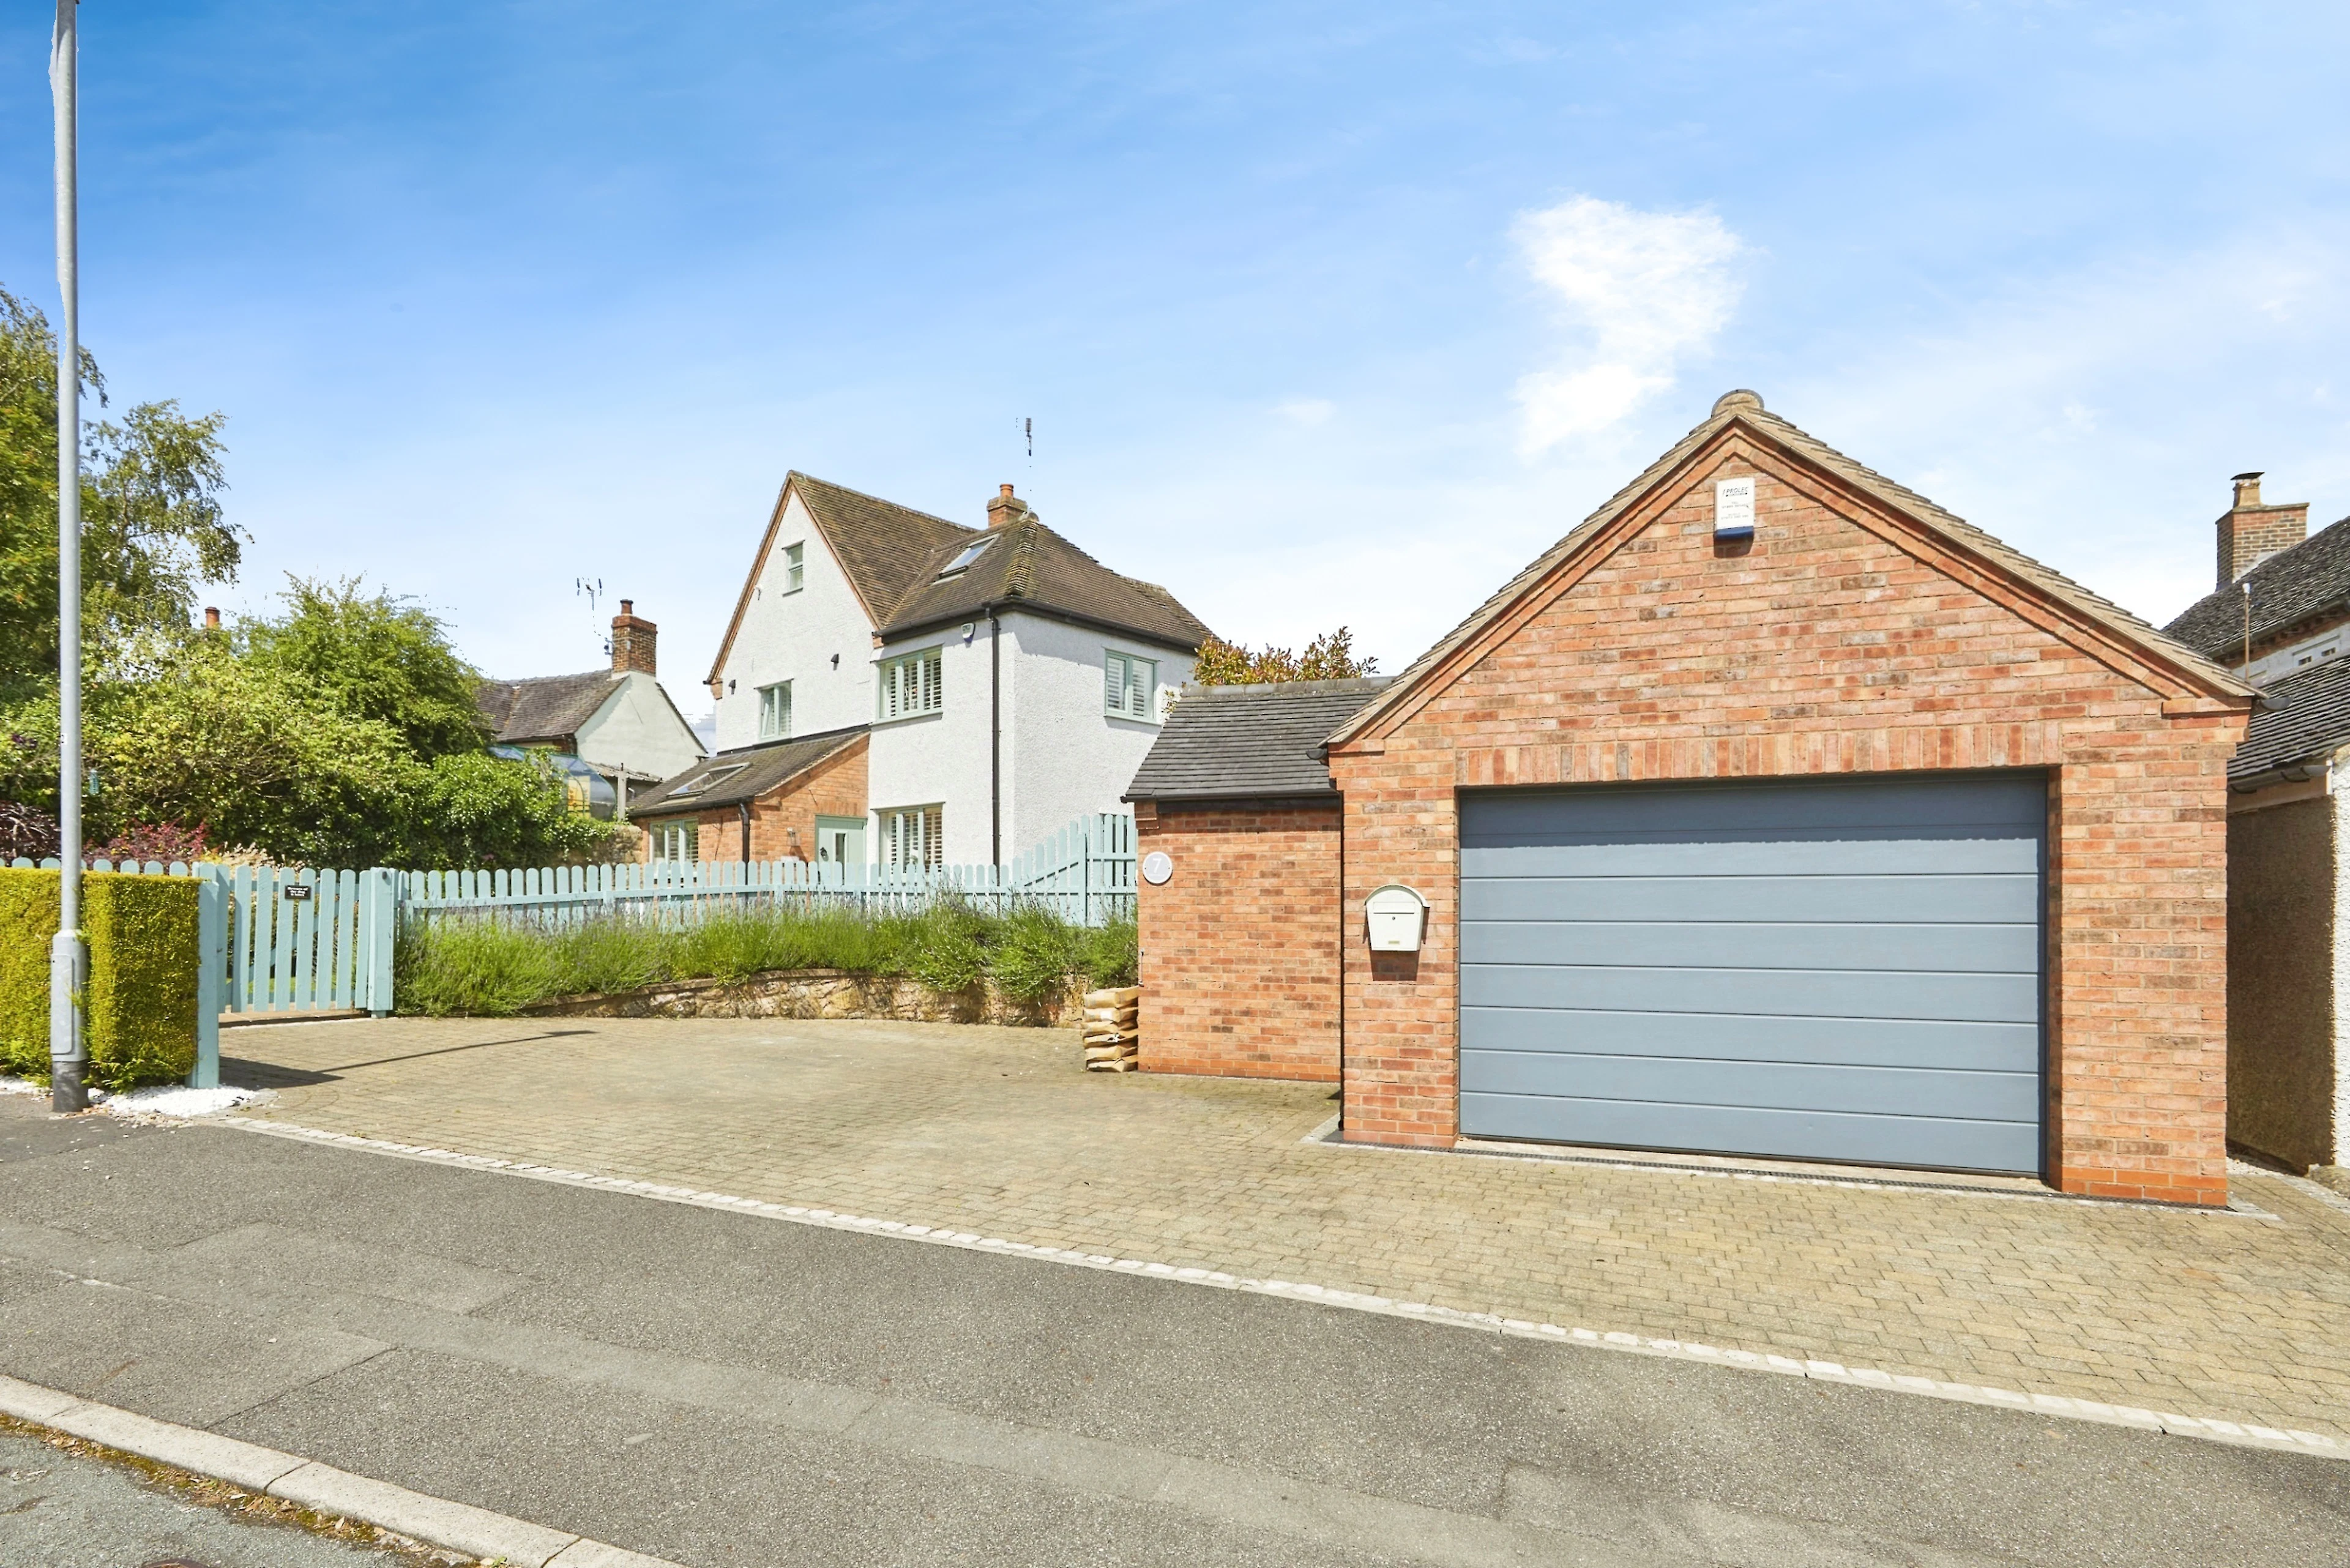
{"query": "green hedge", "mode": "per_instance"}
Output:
(139, 1012)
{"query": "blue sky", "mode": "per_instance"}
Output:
(1324, 312)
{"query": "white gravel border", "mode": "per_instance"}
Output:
(2243, 1434)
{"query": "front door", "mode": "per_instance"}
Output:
(840, 841)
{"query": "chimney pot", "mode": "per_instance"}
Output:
(2252, 530)
(211, 618)
(633, 641)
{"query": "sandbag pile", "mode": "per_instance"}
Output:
(1111, 1028)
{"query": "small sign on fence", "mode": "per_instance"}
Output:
(298, 893)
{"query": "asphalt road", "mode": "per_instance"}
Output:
(724, 1389)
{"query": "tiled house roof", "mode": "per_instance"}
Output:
(1026, 565)
(546, 710)
(741, 775)
(892, 555)
(1250, 743)
(880, 544)
(2303, 717)
(2291, 585)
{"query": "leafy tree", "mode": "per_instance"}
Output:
(470, 808)
(152, 529)
(374, 657)
(1329, 657)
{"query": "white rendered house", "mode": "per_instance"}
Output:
(1009, 682)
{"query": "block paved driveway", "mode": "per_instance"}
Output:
(2240, 1316)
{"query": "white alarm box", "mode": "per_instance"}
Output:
(1396, 916)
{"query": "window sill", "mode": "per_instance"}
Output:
(908, 719)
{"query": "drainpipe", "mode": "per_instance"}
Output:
(745, 807)
(994, 737)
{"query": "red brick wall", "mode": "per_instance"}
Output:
(782, 821)
(1240, 947)
(1847, 639)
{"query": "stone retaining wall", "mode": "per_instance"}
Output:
(817, 993)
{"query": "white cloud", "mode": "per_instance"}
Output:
(1309, 412)
(1647, 288)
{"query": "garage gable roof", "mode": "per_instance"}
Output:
(1413, 687)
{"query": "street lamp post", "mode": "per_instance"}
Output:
(67, 964)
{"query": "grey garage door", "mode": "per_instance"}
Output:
(1846, 971)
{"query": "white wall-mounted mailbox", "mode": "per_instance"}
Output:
(1397, 917)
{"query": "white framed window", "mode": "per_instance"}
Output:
(909, 684)
(677, 841)
(1129, 685)
(912, 835)
(776, 711)
(794, 567)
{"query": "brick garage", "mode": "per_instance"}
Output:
(1865, 638)
(1862, 631)
(1240, 942)
(778, 789)
(1260, 878)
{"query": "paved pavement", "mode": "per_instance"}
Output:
(2241, 1315)
(718, 1388)
(60, 1510)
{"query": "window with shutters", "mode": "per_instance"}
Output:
(776, 711)
(677, 841)
(1129, 685)
(908, 685)
(794, 567)
(911, 836)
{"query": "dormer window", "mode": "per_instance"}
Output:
(962, 563)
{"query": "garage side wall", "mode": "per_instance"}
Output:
(1828, 646)
(2280, 1003)
(1240, 946)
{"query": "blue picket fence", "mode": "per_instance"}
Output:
(1085, 873)
(283, 940)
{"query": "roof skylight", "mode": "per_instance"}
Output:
(701, 782)
(970, 553)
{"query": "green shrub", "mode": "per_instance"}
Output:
(1110, 954)
(476, 966)
(607, 956)
(139, 1010)
(479, 967)
(1036, 953)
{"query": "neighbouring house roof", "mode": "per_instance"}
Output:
(2303, 717)
(1745, 408)
(1250, 743)
(548, 709)
(2307, 579)
(742, 774)
(1028, 567)
(880, 546)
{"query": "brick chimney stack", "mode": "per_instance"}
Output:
(2251, 530)
(632, 640)
(1005, 510)
(211, 618)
